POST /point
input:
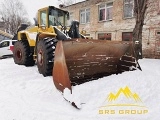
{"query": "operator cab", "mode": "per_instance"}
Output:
(52, 16)
(58, 19)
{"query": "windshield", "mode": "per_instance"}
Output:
(57, 17)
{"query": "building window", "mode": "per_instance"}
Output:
(71, 16)
(105, 11)
(128, 8)
(157, 32)
(87, 15)
(104, 36)
(84, 16)
(127, 36)
(101, 12)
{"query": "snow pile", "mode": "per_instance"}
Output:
(27, 95)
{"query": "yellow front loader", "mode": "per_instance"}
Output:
(70, 57)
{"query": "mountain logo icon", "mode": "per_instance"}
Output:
(126, 92)
(123, 101)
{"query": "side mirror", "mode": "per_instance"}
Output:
(68, 16)
(35, 22)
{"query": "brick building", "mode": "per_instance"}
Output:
(114, 20)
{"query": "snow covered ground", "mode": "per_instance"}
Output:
(27, 95)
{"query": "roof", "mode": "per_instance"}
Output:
(75, 3)
(6, 34)
(53, 7)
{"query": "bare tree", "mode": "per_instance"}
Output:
(13, 14)
(140, 7)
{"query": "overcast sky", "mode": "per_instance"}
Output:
(33, 5)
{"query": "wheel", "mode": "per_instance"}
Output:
(45, 55)
(22, 54)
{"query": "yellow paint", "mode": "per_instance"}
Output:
(42, 31)
(127, 93)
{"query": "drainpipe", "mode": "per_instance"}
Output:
(115, 34)
(95, 34)
(148, 36)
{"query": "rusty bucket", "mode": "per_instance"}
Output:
(80, 60)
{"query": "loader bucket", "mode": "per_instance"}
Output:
(81, 60)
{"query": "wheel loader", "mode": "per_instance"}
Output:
(70, 57)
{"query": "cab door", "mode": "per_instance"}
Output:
(44, 29)
(43, 19)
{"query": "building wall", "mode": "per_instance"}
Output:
(151, 40)
(151, 29)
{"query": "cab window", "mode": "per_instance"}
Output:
(43, 17)
(57, 17)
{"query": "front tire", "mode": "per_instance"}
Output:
(22, 54)
(45, 55)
